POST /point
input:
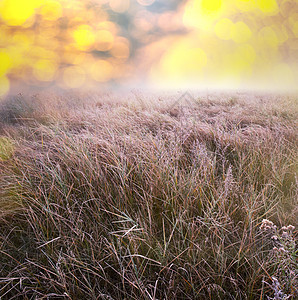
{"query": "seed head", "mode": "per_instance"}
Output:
(267, 225)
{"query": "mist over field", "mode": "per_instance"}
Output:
(148, 149)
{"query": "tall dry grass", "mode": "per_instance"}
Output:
(133, 198)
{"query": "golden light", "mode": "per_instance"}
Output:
(23, 40)
(102, 71)
(240, 61)
(295, 28)
(84, 37)
(269, 7)
(4, 85)
(17, 12)
(51, 10)
(202, 14)
(5, 63)
(268, 37)
(241, 41)
(210, 5)
(104, 40)
(183, 61)
(223, 29)
(217, 42)
(281, 33)
(121, 48)
(245, 5)
(45, 70)
(283, 70)
(74, 77)
(240, 33)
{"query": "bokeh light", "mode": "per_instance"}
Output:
(104, 40)
(102, 70)
(4, 85)
(73, 77)
(52, 10)
(74, 44)
(84, 37)
(119, 6)
(146, 2)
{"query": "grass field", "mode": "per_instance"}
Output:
(142, 197)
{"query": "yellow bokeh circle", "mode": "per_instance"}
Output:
(223, 29)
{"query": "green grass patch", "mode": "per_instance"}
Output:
(7, 148)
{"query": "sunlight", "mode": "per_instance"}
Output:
(51, 10)
(240, 32)
(201, 41)
(223, 29)
(5, 63)
(74, 77)
(268, 6)
(4, 85)
(45, 70)
(210, 5)
(84, 37)
(102, 70)
(17, 12)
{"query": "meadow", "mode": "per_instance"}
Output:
(138, 196)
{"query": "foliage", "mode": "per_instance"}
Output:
(126, 201)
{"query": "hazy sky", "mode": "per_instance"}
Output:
(153, 43)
